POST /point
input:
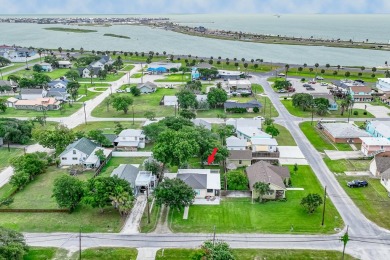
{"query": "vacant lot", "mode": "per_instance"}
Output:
(341, 166)
(66, 111)
(37, 195)
(240, 215)
(296, 111)
(108, 127)
(284, 138)
(373, 200)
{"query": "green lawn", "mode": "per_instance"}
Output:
(254, 254)
(239, 215)
(333, 114)
(136, 76)
(107, 253)
(146, 227)
(319, 140)
(127, 67)
(45, 253)
(110, 77)
(55, 74)
(116, 161)
(38, 193)
(95, 84)
(12, 112)
(340, 75)
(90, 95)
(107, 127)
(179, 77)
(5, 155)
(284, 138)
(13, 67)
(373, 200)
(340, 166)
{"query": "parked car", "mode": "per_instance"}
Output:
(359, 80)
(324, 84)
(291, 89)
(319, 78)
(306, 85)
(259, 117)
(357, 184)
(282, 91)
(312, 82)
(310, 88)
(281, 75)
(119, 91)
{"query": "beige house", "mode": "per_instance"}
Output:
(275, 176)
(240, 158)
(380, 167)
(38, 104)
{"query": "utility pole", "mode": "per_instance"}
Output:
(80, 244)
(323, 210)
(133, 113)
(142, 77)
(147, 202)
(265, 104)
(214, 237)
(345, 239)
(85, 114)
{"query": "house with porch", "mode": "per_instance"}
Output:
(147, 87)
(240, 158)
(342, 132)
(374, 145)
(64, 64)
(232, 75)
(130, 140)
(378, 128)
(380, 167)
(239, 86)
(235, 143)
(138, 180)
(46, 67)
(39, 104)
(275, 176)
(248, 106)
(82, 152)
(361, 94)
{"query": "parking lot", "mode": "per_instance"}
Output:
(299, 88)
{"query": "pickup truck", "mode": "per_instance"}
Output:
(357, 184)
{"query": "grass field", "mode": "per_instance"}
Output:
(38, 193)
(239, 215)
(284, 138)
(55, 74)
(12, 112)
(341, 166)
(136, 76)
(333, 114)
(12, 66)
(116, 161)
(146, 227)
(45, 253)
(88, 96)
(150, 102)
(372, 200)
(319, 140)
(102, 253)
(5, 155)
(107, 127)
(179, 77)
(255, 254)
(110, 77)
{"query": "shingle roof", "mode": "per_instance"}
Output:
(147, 84)
(195, 181)
(27, 91)
(344, 130)
(110, 137)
(267, 173)
(126, 172)
(382, 163)
(233, 141)
(249, 104)
(264, 141)
(83, 145)
(240, 155)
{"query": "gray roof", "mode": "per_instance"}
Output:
(344, 130)
(240, 155)
(147, 84)
(201, 122)
(27, 91)
(126, 172)
(382, 163)
(249, 104)
(195, 181)
(5, 83)
(267, 173)
(110, 137)
(83, 145)
(54, 82)
(233, 141)
(56, 93)
(104, 59)
(95, 70)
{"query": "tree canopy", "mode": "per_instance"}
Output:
(15, 131)
(237, 180)
(12, 244)
(216, 97)
(302, 100)
(261, 188)
(121, 102)
(174, 193)
(68, 191)
(186, 99)
(311, 202)
(57, 138)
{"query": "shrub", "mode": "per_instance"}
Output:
(238, 110)
(256, 110)
(365, 113)
(303, 79)
(245, 94)
(355, 113)
(285, 98)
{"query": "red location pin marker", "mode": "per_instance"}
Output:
(211, 157)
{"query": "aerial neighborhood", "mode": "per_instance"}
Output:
(150, 142)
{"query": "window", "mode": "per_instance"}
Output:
(270, 192)
(74, 158)
(74, 151)
(64, 158)
(210, 190)
(239, 161)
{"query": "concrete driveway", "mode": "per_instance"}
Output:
(377, 111)
(338, 155)
(291, 155)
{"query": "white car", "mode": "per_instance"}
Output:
(324, 84)
(119, 91)
(259, 117)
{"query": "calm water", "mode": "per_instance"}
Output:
(357, 27)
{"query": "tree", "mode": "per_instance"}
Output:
(98, 136)
(321, 109)
(268, 121)
(37, 68)
(12, 244)
(28, 165)
(108, 101)
(153, 166)
(68, 191)
(218, 250)
(186, 113)
(272, 130)
(15, 131)
(174, 193)
(186, 99)
(302, 100)
(100, 155)
(150, 115)
(216, 97)
(4, 61)
(373, 70)
(40, 79)
(118, 128)
(261, 188)
(282, 84)
(3, 106)
(237, 180)
(72, 74)
(121, 102)
(295, 168)
(135, 91)
(311, 202)
(60, 49)
(73, 89)
(99, 192)
(57, 138)
(122, 200)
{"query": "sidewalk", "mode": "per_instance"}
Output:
(5, 175)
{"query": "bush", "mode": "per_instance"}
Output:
(245, 94)
(238, 110)
(355, 113)
(365, 113)
(256, 110)
(285, 98)
(303, 79)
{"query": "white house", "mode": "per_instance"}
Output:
(374, 145)
(31, 93)
(130, 139)
(234, 143)
(380, 167)
(147, 87)
(383, 85)
(82, 152)
(246, 128)
(170, 101)
(264, 144)
(64, 64)
(239, 86)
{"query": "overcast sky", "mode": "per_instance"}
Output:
(192, 6)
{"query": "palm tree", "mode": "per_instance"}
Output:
(373, 70)
(81, 50)
(93, 52)
(316, 65)
(60, 49)
(243, 59)
(338, 67)
(327, 65)
(286, 67)
(40, 55)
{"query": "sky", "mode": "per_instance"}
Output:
(193, 6)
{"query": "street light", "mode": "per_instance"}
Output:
(85, 114)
